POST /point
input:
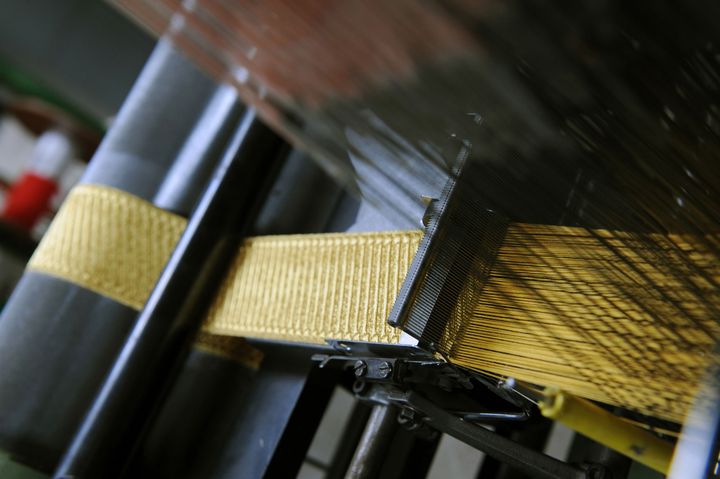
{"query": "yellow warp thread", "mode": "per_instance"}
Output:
(595, 313)
(616, 317)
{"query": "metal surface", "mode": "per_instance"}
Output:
(153, 126)
(209, 391)
(697, 453)
(459, 246)
(418, 455)
(532, 434)
(195, 162)
(163, 332)
(42, 344)
(303, 200)
(252, 423)
(267, 430)
(301, 425)
(16, 242)
(348, 442)
(12, 270)
(372, 448)
(596, 456)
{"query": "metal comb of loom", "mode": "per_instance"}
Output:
(454, 258)
(441, 290)
(455, 255)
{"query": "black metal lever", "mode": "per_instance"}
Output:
(533, 463)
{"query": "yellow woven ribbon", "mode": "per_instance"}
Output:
(303, 288)
(593, 312)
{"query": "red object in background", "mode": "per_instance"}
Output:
(28, 200)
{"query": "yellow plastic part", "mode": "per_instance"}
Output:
(598, 424)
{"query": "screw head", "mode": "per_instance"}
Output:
(360, 368)
(385, 369)
(407, 419)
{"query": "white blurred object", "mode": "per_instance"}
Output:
(16, 147)
(53, 153)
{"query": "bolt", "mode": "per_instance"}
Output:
(406, 415)
(595, 471)
(385, 369)
(507, 383)
(360, 368)
(406, 418)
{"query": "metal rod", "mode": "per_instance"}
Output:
(532, 463)
(698, 450)
(200, 153)
(532, 434)
(349, 441)
(494, 416)
(162, 335)
(373, 446)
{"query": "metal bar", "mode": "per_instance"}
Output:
(531, 462)
(162, 335)
(347, 444)
(200, 153)
(371, 450)
(480, 417)
(302, 425)
(419, 457)
(531, 434)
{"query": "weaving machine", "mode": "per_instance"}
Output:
(531, 232)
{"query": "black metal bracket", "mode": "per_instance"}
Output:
(424, 390)
(418, 412)
(393, 370)
(420, 370)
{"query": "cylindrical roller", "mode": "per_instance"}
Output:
(57, 340)
(372, 449)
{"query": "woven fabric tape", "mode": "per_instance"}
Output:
(624, 319)
(302, 288)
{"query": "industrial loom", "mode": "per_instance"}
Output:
(510, 216)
